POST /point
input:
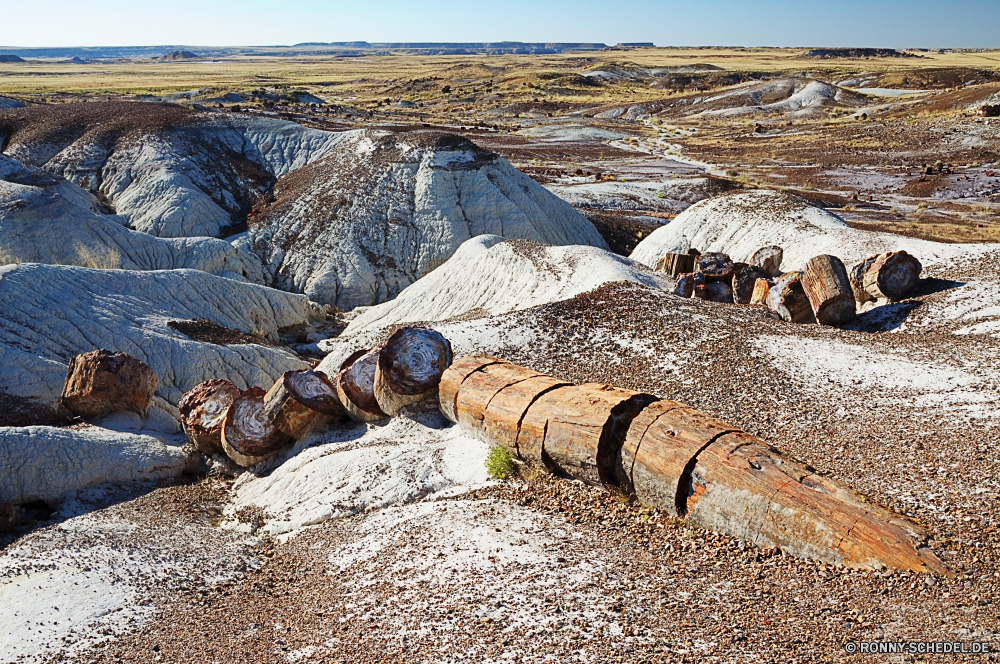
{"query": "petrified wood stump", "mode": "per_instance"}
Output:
(247, 438)
(714, 291)
(892, 275)
(356, 387)
(686, 283)
(102, 382)
(302, 400)
(409, 368)
(203, 411)
(828, 288)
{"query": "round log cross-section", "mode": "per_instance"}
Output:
(302, 400)
(356, 387)
(247, 438)
(892, 275)
(102, 382)
(409, 367)
(714, 266)
(769, 259)
(203, 411)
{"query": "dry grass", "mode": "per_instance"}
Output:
(105, 258)
(8, 258)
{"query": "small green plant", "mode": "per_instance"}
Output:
(732, 173)
(500, 463)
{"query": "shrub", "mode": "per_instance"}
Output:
(500, 463)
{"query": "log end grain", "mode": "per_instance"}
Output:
(203, 412)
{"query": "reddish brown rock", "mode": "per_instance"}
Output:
(102, 382)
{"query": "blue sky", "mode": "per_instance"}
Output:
(886, 23)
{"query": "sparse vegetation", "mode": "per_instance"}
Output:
(500, 463)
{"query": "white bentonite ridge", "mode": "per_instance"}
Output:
(489, 276)
(382, 210)
(52, 313)
(738, 224)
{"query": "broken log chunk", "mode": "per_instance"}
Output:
(409, 368)
(507, 410)
(892, 275)
(300, 401)
(581, 428)
(714, 267)
(102, 382)
(356, 387)
(247, 438)
(686, 284)
(769, 259)
(9, 516)
(857, 277)
(715, 291)
(674, 264)
(748, 488)
(760, 290)
(203, 412)
(828, 288)
(787, 299)
(744, 282)
(481, 387)
(454, 376)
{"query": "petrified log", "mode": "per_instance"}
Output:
(203, 411)
(409, 367)
(102, 382)
(744, 282)
(300, 401)
(769, 259)
(674, 264)
(760, 290)
(787, 299)
(453, 378)
(857, 277)
(247, 438)
(828, 288)
(9, 517)
(892, 275)
(715, 267)
(356, 387)
(686, 283)
(579, 429)
(481, 388)
(715, 291)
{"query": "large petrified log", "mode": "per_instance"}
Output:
(409, 367)
(787, 299)
(714, 266)
(102, 382)
(744, 282)
(674, 264)
(768, 259)
(760, 291)
(203, 411)
(892, 275)
(356, 387)
(828, 288)
(247, 437)
(300, 401)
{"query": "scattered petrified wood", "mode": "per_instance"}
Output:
(715, 291)
(769, 259)
(787, 299)
(715, 267)
(102, 382)
(760, 290)
(686, 283)
(581, 428)
(203, 411)
(892, 275)
(744, 282)
(300, 401)
(9, 517)
(857, 277)
(247, 438)
(409, 367)
(828, 288)
(356, 387)
(674, 264)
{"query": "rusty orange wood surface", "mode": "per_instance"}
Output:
(453, 378)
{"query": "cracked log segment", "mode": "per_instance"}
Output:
(675, 264)
(892, 275)
(409, 367)
(102, 382)
(828, 288)
(857, 277)
(745, 281)
(300, 401)
(203, 411)
(760, 290)
(769, 259)
(787, 299)
(356, 387)
(715, 267)
(247, 438)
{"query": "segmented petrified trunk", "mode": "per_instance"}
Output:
(300, 401)
(203, 412)
(102, 382)
(9, 517)
(580, 429)
(828, 288)
(787, 299)
(356, 387)
(715, 291)
(686, 283)
(769, 259)
(744, 282)
(674, 264)
(857, 277)
(409, 368)
(453, 378)
(760, 290)
(892, 275)
(715, 267)
(247, 437)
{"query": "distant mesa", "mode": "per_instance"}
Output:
(856, 53)
(76, 60)
(7, 57)
(180, 55)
